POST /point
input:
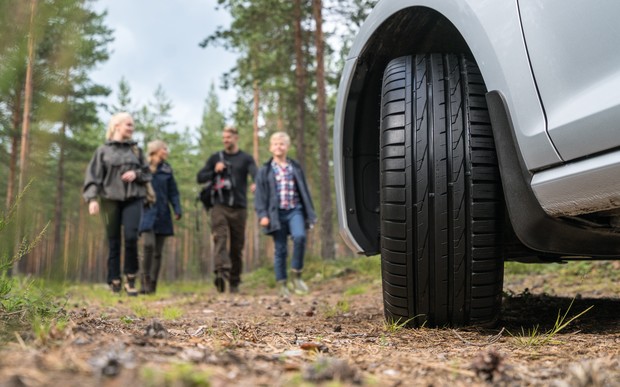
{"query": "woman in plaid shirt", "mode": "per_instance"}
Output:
(284, 207)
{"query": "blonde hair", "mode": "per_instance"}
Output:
(114, 121)
(152, 147)
(281, 135)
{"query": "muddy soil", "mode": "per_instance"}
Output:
(336, 335)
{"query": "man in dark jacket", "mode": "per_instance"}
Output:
(284, 207)
(229, 170)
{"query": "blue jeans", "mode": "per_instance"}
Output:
(292, 223)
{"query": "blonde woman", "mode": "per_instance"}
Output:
(156, 223)
(117, 175)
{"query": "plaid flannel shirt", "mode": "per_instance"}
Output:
(285, 184)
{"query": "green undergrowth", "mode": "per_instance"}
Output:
(25, 303)
(28, 305)
(571, 277)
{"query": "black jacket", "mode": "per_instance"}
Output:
(239, 166)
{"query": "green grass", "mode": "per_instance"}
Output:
(393, 326)
(171, 313)
(341, 307)
(180, 374)
(28, 303)
(534, 337)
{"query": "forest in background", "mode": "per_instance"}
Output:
(285, 78)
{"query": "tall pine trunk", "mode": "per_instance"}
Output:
(255, 143)
(10, 191)
(300, 81)
(25, 133)
(60, 187)
(327, 237)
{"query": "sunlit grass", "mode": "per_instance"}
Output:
(171, 313)
(357, 289)
(341, 307)
(180, 374)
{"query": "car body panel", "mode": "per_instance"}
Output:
(578, 188)
(573, 50)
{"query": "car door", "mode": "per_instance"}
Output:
(574, 50)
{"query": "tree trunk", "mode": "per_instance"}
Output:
(10, 191)
(60, 186)
(22, 265)
(300, 80)
(27, 100)
(252, 216)
(327, 235)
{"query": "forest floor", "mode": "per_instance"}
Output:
(191, 335)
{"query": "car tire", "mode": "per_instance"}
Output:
(442, 206)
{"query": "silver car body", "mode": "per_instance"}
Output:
(557, 65)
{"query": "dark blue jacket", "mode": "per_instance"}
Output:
(267, 203)
(157, 218)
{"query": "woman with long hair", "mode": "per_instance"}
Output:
(117, 174)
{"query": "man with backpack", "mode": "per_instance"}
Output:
(228, 171)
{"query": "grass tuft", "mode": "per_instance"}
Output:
(534, 337)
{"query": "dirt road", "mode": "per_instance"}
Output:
(336, 333)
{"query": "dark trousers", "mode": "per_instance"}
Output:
(125, 216)
(153, 247)
(227, 221)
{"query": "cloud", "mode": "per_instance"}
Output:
(156, 43)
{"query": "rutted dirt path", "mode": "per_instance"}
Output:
(334, 333)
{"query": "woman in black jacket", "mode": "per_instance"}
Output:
(156, 223)
(117, 175)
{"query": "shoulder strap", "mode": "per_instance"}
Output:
(138, 152)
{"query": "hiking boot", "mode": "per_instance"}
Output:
(283, 289)
(220, 283)
(115, 286)
(233, 288)
(299, 286)
(130, 285)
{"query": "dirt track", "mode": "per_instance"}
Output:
(258, 338)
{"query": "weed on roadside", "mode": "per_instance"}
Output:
(534, 337)
(341, 307)
(392, 326)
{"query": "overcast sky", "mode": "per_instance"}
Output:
(156, 43)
